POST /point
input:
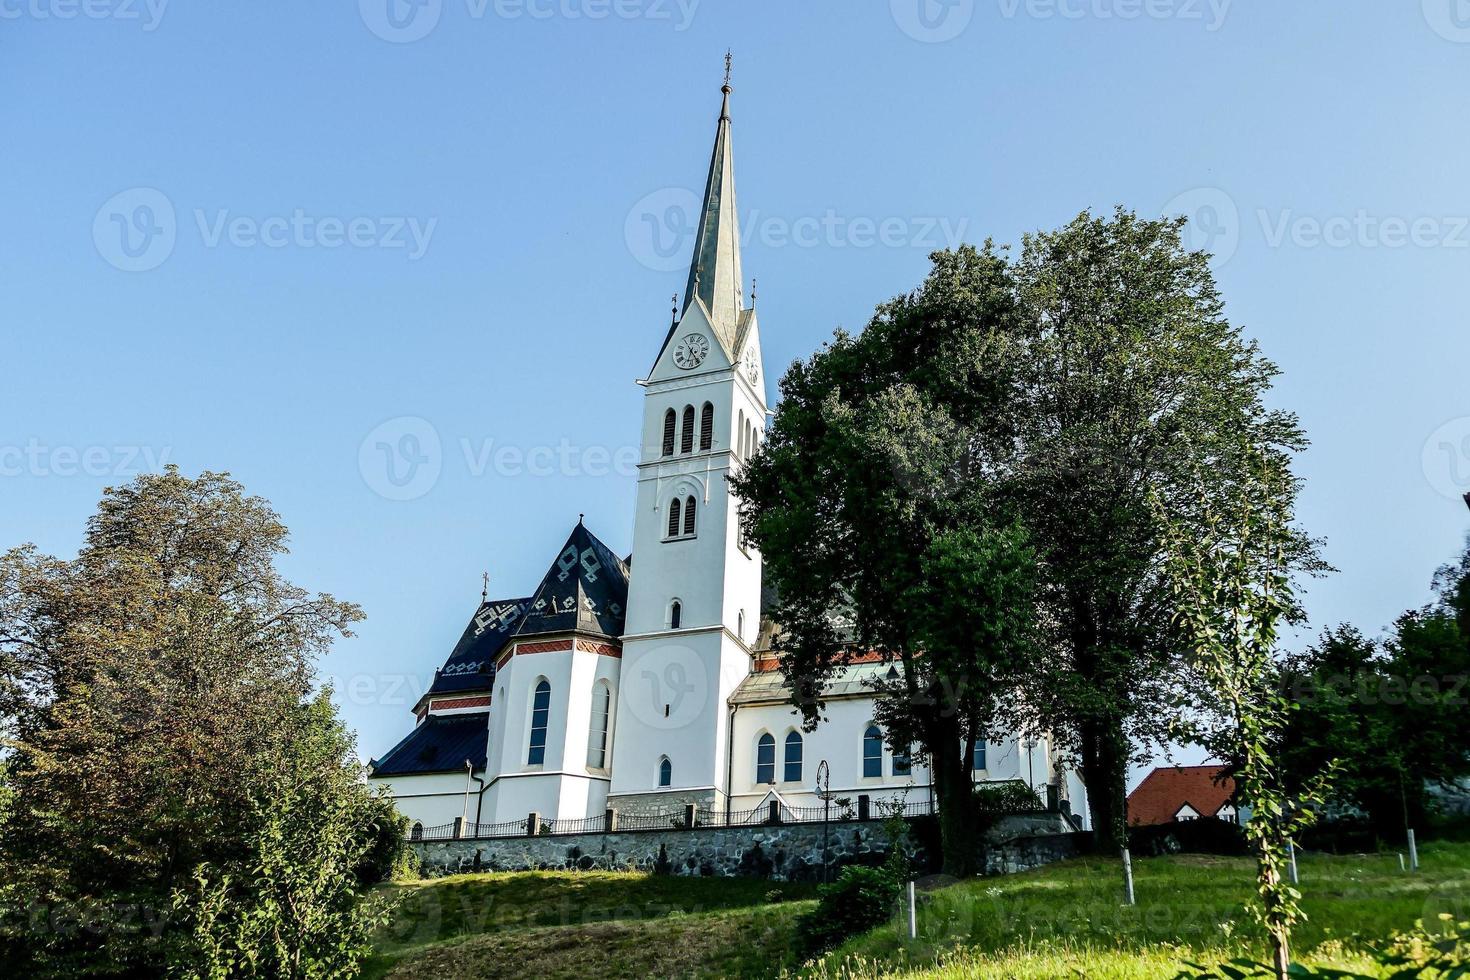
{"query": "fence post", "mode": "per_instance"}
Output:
(1413, 853)
(689, 813)
(1128, 877)
(1053, 798)
(459, 828)
(913, 914)
(533, 824)
(609, 820)
(864, 807)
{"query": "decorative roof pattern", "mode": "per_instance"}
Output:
(471, 665)
(441, 743)
(585, 590)
(1158, 798)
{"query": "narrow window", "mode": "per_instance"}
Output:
(902, 764)
(740, 624)
(706, 427)
(872, 751)
(739, 434)
(676, 614)
(665, 772)
(765, 759)
(418, 832)
(686, 437)
(540, 715)
(597, 737)
(669, 432)
(689, 516)
(792, 773)
(674, 506)
(979, 761)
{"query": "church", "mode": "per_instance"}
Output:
(648, 684)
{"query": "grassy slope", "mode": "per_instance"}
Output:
(1066, 920)
(551, 924)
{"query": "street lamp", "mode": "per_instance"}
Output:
(824, 793)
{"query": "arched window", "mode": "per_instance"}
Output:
(706, 427)
(540, 716)
(792, 768)
(665, 772)
(597, 735)
(902, 763)
(674, 507)
(686, 437)
(669, 432)
(676, 614)
(417, 833)
(872, 751)
(765, 759)
(740, 624)
(689, 515)
(739, 432)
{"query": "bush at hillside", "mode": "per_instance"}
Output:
(858, 900)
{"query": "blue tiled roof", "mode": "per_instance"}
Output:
(586, 589)
(471, 665)
(441, 743)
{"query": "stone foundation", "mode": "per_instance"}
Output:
(781, 852)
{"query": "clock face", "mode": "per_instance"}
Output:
(752, 366)
(691, 351)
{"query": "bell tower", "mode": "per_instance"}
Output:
(694, 593)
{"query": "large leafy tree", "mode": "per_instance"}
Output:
(152, 693)
(874, 502)
(1134, 388)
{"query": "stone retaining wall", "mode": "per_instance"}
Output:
(781, 852)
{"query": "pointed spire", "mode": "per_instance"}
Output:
(714, 272)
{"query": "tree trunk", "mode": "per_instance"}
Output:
(955, 800)
(1278, 931)
(1105, 774)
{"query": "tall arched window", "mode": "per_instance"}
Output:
(740, 624)
(597, 735)
(977, 762)
(739, 433)
(872, 751)
(686, 437)
(669, 432)
(676, 614)
(706, 427)
(674, 508)
(540, 716)
(665, 772)
(792, 769)
(689, 515)
(765, 759)
(417, 833)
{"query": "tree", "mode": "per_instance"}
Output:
(1132, 384)
(1231, 572)
(150, 692)
(874, 503)
(1391, 712)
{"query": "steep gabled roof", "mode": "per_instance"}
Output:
(471, 665)
(586, 589)
(1163, 791)
(441, 743)
(714, 271)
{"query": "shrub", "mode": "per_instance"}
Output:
(1011, 796)
(858, 900)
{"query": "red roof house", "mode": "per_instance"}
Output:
(1172, 793)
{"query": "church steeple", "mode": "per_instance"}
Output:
(714, 272)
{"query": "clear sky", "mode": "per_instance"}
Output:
(246, 236)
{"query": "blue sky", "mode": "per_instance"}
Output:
(268, 237)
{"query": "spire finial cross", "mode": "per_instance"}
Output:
(484, 586)
(728, 60)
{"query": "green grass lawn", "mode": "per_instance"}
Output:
(560, 924)
(1065, 920)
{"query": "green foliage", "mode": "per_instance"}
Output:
(1396, 713)
(180, 796)
(1422, 954)
(1011, 796)
(858, 900)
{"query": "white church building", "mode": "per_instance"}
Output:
(648, 683)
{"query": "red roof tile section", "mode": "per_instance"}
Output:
(1166, 789)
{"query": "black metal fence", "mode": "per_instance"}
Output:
(690, 817)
